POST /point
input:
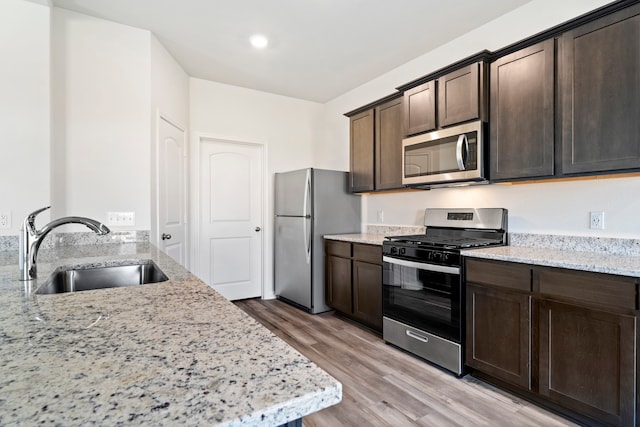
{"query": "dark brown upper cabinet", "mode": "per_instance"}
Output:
(522, 114)
(420, 109)
(362, 140)
(456, 97)
(599, 83)
(388, 171)
(461, 95)
(376, 146)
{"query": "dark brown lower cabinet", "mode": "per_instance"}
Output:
(564, 337)
(499, 334)
(338, 283)
(367, 293)
(353, 281)
(587, 361)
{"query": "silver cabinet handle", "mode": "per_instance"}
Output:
(258, 229)
(462, 140)
(166, 236)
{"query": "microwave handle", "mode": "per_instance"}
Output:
(462, 141)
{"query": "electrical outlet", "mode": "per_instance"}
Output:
(121, 218)
(596, 221)
(380, 217)
(5, 220)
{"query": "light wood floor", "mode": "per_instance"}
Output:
(383, 386)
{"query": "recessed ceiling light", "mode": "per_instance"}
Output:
(259, 41)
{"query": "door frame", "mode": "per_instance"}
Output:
(187, 235)
(197, 139)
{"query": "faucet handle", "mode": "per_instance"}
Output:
(30, 220)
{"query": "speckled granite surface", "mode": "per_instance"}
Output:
(625, 265)
(606, 245)
(370, 239)
(376, 233)
(173, 353)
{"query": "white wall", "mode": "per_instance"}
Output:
(101, 133)
(169, 97)
(559, 207)
(288, 127)
(24, 109)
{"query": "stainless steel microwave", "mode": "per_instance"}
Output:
(446, 156)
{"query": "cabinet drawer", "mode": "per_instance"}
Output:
(502, 274)
(337, 248)
(599, 290)
(367, 253)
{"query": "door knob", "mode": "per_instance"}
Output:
(258, 228)
(166, 236)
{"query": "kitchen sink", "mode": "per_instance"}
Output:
(85, 279)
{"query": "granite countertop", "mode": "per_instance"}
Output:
(172, 353)
(366, 238)
(599, 262)
(376, 233)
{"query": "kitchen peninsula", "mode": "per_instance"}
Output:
(174, 352)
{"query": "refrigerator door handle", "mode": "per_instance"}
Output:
(307, 238)
(307, 196)
(307, 215)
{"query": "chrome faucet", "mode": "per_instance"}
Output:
(31, 238)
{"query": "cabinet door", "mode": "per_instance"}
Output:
(499, 334)
(459, 96)
(338, 283)
(362, 146)
(389, 145)
(522, 114)
(587, 361)
(367, 293)
(420, 109)
(600, 94)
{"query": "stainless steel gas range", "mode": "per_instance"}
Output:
(423, 295)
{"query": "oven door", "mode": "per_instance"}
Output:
(425, 296)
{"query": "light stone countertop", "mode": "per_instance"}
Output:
(173, 353)
(366, 238)
(599, 262)
(376, 233)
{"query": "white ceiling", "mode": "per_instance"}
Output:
(318, 49)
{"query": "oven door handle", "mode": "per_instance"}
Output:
(422, 265)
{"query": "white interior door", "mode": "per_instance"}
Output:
(172, 190)
(230, 237)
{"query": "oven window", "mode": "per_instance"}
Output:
(438, 156)
(426, 300)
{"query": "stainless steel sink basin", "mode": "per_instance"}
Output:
(84, 279)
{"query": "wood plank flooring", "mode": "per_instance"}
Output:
(383, 386)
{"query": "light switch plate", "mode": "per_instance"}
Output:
(121, 218)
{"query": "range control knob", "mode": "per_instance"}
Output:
(394, 250)
(402, 251)
(437, 256)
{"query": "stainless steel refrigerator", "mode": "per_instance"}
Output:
(309, 203)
